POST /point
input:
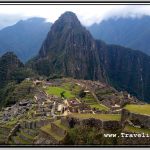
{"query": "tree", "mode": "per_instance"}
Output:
(62, 94)
(82, 94)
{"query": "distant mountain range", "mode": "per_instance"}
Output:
(70, 50)
(129, 32)
(24, 38)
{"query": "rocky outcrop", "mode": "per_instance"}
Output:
(78, 48)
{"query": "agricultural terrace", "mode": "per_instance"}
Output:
(140, 109)
(104, 117)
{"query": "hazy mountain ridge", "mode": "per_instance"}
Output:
(24, 38)
(129, 32)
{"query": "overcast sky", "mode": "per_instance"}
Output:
(87, 14)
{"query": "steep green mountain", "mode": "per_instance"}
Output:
(126, 69)
(24, 38)
(129, 32)
(9, 63)
(70, 50)
(12, 84)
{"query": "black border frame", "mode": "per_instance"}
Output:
(73, 2)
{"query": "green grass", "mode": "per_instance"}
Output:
(130, 128)
(99, 106)
(11, 123)
(21, 141)
(58, 123)
(47, 129)
(104, 91)
(67, 85)
(57, 90)
(104, 117)
(1, 113)
(140, 109)
(74, 88)
(90, 100)
(27, 135)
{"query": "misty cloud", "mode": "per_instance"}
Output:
(8, 20)
(87, 14)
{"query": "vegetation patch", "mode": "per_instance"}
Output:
(140, 109)
(47, 129)
(58, 90)
(58, 123)
(99, 106)
(105, 117)
(88, 136)
(130, 128)
(90, 100)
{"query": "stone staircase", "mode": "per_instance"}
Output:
(52, 134)
(24, 136)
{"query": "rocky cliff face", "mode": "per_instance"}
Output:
(126, 69)
(70, 50)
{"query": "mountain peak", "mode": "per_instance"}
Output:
(9, 54)
(68, 18)
(69, 41)
(10, 57)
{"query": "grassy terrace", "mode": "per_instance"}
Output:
(21, 141)
(10, 124)
(47, 129)
(27, 135)
(140, 109)
(58, 123)
(104, 117)
(99, 106)
(58, 90)
(136, 130)
(90, 100)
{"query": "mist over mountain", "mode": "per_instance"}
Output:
(129, 32)
(24, 38)
(70, 50)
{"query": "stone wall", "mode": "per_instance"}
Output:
(35, 124)
(65, 122)
(111, 125)
(50, 139)
(58, 131)
(101, 124)
(13, 131)
(136, 119)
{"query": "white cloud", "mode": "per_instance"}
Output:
(87, 14)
